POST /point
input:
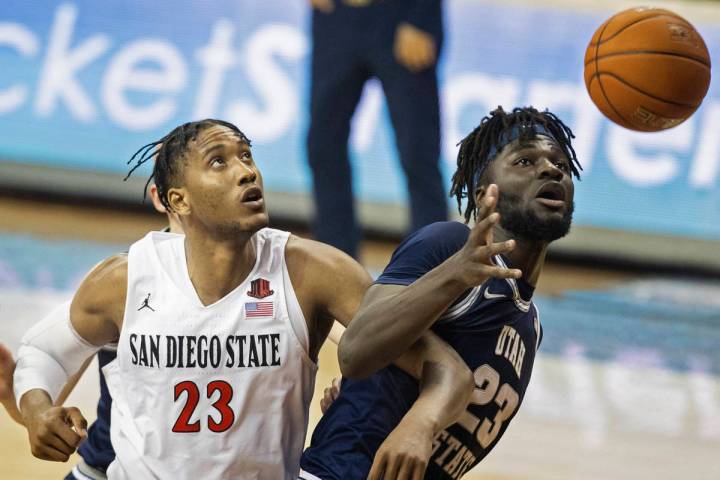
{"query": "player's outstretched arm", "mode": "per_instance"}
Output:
(393, 317)
(339, 284)
(52, 349)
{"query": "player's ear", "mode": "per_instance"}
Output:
(178, 198)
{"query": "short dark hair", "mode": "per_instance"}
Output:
(168, 151)
(476, 149)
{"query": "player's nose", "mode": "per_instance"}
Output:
(245, 173)
(548, 169)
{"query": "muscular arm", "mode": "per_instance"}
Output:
(49, 355)
(7, 397)
(337, 283)
(393, 317)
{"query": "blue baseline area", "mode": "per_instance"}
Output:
(122, 79)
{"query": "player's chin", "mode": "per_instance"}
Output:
(555, 226)
(552, 215)
(256, 220)
(249, 219)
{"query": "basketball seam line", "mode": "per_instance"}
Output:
(599, 80)
(624, 82)
(603, 40)
(650, 52)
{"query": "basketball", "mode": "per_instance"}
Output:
(647, 69)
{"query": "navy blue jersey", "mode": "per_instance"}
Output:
(493, 327)
(97, 451)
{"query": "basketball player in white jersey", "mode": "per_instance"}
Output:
(217, 330)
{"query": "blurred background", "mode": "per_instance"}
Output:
(627, 385)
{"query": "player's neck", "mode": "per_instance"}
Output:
(216, 267)
(528, 256)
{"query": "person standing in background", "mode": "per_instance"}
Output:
(397, 41)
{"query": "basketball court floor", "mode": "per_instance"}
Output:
(626, 385)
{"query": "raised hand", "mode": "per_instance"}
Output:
(474, 261)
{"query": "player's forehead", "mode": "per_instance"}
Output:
(217, 135)
(537, 144)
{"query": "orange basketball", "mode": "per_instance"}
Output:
(647, 69)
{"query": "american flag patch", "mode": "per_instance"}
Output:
(259, 309)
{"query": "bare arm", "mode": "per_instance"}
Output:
(7, 396)
(393, 317)
(338, 286)
(96, 315)
(72, 383)
(446, 382)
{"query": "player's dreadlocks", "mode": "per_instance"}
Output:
(168, 153)
(480, 147)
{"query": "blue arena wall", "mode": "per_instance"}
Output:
(85, 83)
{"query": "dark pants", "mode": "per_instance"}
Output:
(350, 47)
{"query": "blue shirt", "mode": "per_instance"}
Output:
(495, 329)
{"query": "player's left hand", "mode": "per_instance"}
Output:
(330, 394)
(414, 48)
(404, 454)
(7, 369)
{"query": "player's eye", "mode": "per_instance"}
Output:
(562, 166)
(246, 155)
(524, 161)
(216, 161)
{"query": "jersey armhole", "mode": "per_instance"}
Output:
(297, 320)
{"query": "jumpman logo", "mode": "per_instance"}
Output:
(145, 304)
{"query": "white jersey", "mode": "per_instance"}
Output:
(217, 391)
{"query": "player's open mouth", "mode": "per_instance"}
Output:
(551, 195)
(252, 197)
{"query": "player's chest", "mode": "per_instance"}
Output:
(249, 331)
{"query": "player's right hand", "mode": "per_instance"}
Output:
(473, 263)
(56, 433)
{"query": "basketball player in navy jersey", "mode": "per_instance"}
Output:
(520, 163)
(96, 451)
(205, 173)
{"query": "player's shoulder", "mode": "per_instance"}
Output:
(107, 280)
(316, 257)
(445, 236)
(111, 269)
(312, 252)
(436, 241)
(444, 232)
(318, 270)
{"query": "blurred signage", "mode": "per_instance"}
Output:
(83, 85)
